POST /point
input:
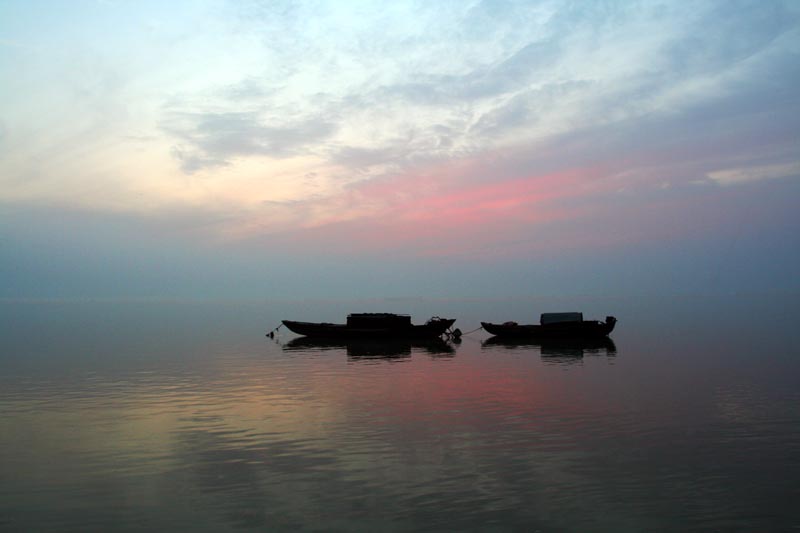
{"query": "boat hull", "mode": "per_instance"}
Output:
(432, 329)
(580, 330)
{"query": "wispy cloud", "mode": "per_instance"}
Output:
(213, 138)
(734, 176)
(462, 116)
(374, 94)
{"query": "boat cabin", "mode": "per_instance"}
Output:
(378, 320)
(557, 318)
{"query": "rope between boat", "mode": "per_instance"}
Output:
(473, 331)
(271, 334)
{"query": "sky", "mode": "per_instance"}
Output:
(449, 149)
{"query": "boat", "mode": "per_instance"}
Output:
(373, 326)
(564, 325)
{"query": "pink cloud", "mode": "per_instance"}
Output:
(452, 209)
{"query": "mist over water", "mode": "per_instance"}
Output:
(184, 416)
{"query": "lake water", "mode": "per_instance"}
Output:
(176, 416)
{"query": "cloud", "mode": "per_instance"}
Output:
(531, 108)
(507, 75)
(720, 36)
(379, 96)
(735, 176)
(392, 103)
(210, 139)
(193, 160)
(248, 90)
(357, 157)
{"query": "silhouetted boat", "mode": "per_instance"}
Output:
(554, 325)
(373, 325)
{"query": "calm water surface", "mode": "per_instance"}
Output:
(178, 416)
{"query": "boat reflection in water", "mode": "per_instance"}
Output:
(372, 349)
(557, 350)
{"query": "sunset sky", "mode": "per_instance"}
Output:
(243, 149)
